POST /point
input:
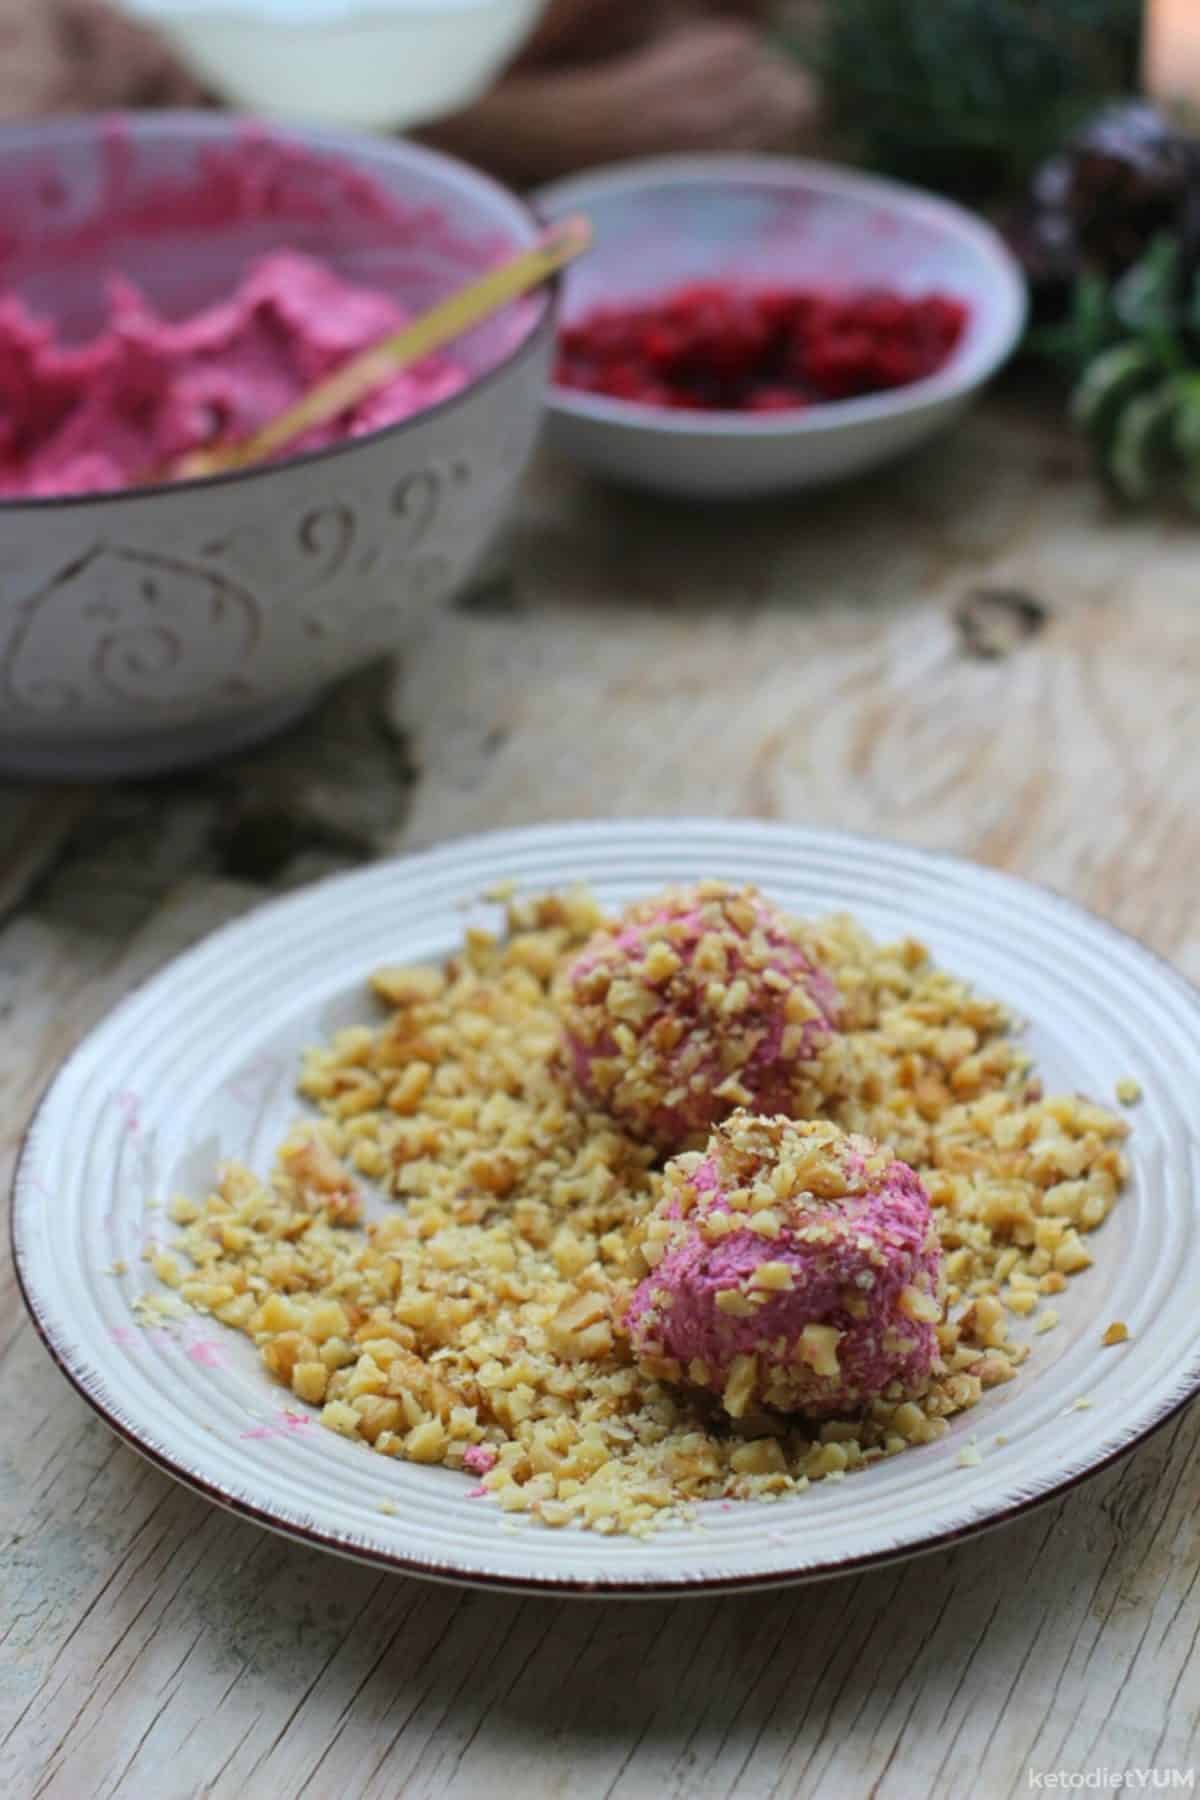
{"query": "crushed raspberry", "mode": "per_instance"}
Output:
(721, 348)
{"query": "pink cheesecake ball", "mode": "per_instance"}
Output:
(791, 1266)
(701, 1000)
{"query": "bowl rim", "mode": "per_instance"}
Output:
(341, 13)
(224, 126)
(956, 379)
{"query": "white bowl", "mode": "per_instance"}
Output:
(148, 628)
(381, 65)
(774, 219)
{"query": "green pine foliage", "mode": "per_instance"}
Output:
(968, 96)
(1139, 396)
(1134, 349)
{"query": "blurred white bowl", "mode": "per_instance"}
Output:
(774, 220)
(383, 65)
(149, 628)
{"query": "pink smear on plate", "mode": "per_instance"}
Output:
(288, 1422)
(127, 1104)
(246, 1087)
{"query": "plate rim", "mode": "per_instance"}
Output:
(76, 1371)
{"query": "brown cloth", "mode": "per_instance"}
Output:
(65, 56)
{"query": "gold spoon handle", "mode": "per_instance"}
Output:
(350, 384)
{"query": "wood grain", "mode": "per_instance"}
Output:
(806, 661)
(34, 827)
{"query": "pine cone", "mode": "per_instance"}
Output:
(1122, 181)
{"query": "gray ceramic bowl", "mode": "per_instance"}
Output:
(154, 627)
(774, 219)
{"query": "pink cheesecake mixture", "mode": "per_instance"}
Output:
(107, 411)
(791, 1267)
(83, 418)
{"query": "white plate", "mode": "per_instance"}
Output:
(199, 1064)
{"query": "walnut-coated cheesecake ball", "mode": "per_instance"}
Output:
(702, 999)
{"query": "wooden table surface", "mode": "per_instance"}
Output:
(970, 654)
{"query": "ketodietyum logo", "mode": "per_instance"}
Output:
(1134, 1781)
